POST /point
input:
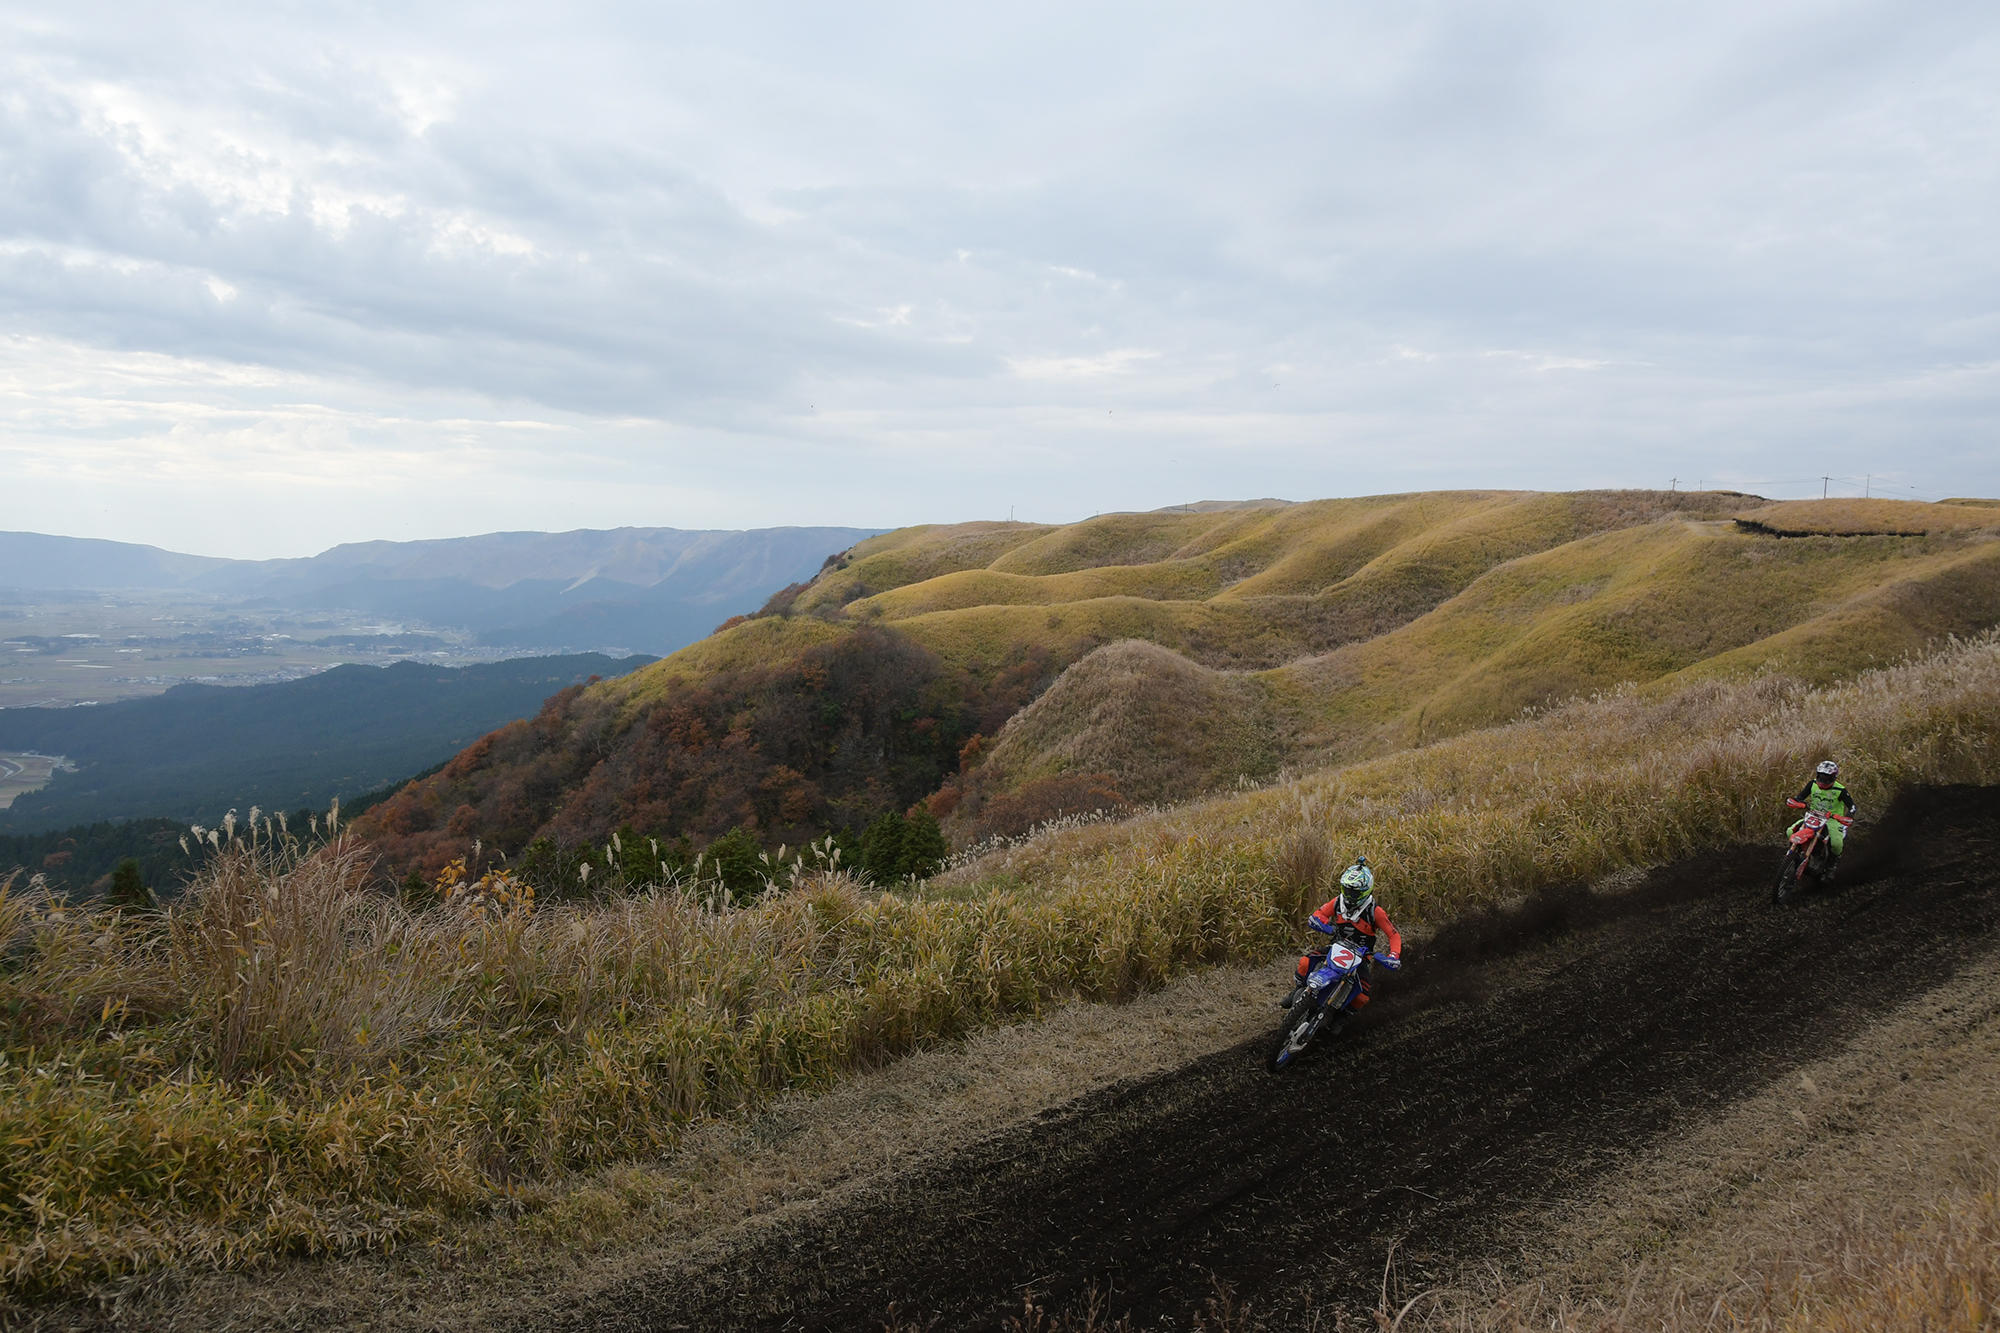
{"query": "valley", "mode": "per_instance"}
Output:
(22, 772)
(197, 751)
(63, 651)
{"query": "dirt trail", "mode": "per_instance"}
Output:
(1521, 1057)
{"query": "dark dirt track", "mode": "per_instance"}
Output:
(1468, 1092)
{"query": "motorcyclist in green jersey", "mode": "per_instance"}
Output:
(1823, 792)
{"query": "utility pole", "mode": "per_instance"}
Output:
(1673, 485)
(1824, 482)
(1867, 485)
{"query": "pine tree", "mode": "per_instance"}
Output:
(882, 847)
(128, 888)
(924, 848)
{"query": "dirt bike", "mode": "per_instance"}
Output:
(1326, 999)
(1807, 856)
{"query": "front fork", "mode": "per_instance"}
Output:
(1813, 855)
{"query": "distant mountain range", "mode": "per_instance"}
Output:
(197, 751)
(622, 589)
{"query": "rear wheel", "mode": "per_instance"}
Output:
(1788, 876)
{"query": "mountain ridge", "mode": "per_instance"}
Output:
(626, 589)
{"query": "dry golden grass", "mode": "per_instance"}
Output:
(911, 555)
(1662, 604)
(574, 1238)
(288, 1064)
(1854, 518)
(1166, 726)
(1166, 580)
(752, 643)
(1259, 568)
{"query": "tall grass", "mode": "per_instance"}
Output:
(285, 1062)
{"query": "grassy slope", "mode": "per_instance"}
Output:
(1669, 598)
(1645, 603)
(1857, 517)
(1354, 627)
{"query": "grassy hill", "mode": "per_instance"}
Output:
(1008, 672)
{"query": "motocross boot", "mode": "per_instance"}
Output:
(1292, 996)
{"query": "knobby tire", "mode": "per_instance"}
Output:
(1788, 877)
(1300, 1013)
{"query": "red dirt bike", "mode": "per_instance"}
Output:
(1807, 856)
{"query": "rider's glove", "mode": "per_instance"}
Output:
(1390, 960)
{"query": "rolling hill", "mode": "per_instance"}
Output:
(1006, 673)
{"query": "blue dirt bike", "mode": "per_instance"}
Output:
(1325, 1001)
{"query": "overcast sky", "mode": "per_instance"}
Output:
(276, 276)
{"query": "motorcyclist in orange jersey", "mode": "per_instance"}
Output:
(1354, 918)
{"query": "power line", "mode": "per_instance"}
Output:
(1867, 484)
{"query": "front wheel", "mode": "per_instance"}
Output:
(1788, 876)
(1293, 1033)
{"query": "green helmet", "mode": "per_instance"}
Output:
(1357, 889)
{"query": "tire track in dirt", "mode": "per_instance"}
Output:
(1520, 1055)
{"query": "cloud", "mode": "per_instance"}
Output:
(1117, 361)
(802, 258)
